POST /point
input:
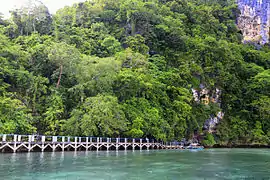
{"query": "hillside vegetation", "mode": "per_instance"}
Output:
(126, 68)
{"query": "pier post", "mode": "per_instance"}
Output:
(63, 143)
(117, 144)
(4, 138)
(79, 143)
(76, 143)
(43, 142)
(91, 143)
(133, 144)
(125, 144)
(54, 140)
(108, 145)
(97, 144)
(140, 144)
(148, 144)
(87, 139)
(19, 138)
(3, 141)
(100, 140)
(15, 141)
(68, 141)
(29, 142)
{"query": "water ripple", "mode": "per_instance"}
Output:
(158, 165)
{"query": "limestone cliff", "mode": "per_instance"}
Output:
(205, 96)
(254, 20)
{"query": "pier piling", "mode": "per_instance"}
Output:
(21, 143)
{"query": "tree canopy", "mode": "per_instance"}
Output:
(127, 68)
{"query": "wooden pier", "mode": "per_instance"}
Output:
(36, 143)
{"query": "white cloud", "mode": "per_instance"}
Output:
(53, 5)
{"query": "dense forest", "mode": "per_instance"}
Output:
(127, 68)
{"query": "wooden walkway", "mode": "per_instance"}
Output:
(36, 143)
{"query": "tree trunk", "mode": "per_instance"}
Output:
(34, 27)
(60, 75)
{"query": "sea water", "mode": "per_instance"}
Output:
(138, 165)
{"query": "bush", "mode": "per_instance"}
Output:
(209, 140)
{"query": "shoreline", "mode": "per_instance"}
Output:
(251, 146)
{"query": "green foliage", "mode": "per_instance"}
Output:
(100, 115)
(258, 134)
(31, 18)
(126, 68)
(136, 43)
(111, 45)
(15, 117)
(95, 75)
(239, 129)
(209, 140)
(136, 131)
(53, 114)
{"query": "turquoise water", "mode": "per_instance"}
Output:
(136, 165)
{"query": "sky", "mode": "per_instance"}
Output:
(53, 5)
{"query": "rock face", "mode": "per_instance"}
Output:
(211, 123)
(254, 20)
(205, 96)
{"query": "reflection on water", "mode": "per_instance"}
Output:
(118, 165)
